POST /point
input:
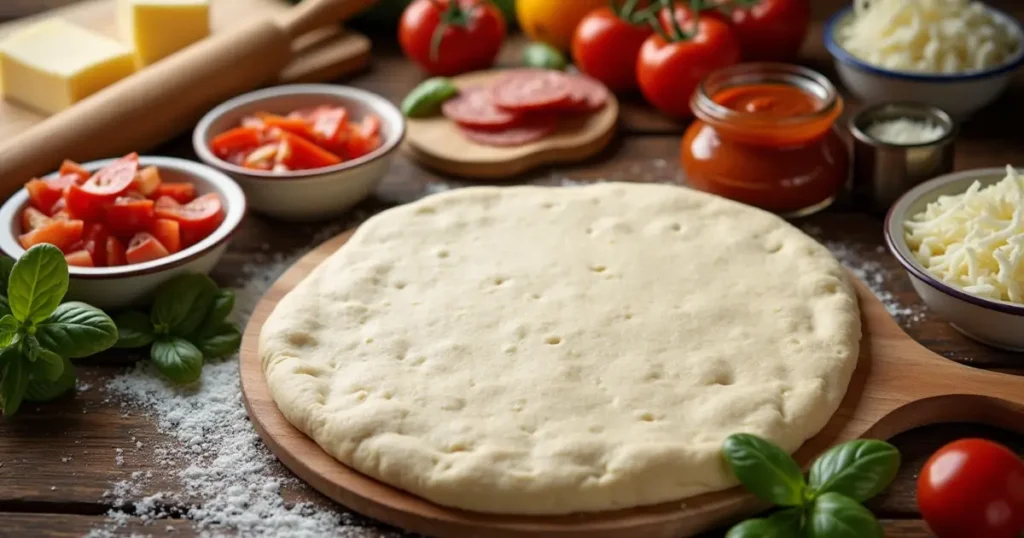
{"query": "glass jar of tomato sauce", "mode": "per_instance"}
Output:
(765, 135)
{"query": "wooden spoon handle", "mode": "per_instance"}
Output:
(151, 106)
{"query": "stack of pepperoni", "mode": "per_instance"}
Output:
(523, 106)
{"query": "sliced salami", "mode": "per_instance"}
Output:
(475, 108)
(588, 95)
(531, 90)
(530, 129)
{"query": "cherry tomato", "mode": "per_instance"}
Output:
(143, 248)
(771, 30)
(471, 32)
(44, 194)
(168, 232)
(183, 191)
(79, 258)
(71, 168)
(236, 141)
(115, 252)
(972, 488)
(95, 243)
(197, 219)
(128, 215)
(59, 233)
(669, 72)
(114, 178)
(606, 47)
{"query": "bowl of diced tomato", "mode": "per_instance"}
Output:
(302, 152)
(125, 225)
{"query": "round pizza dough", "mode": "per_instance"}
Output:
(532, 350)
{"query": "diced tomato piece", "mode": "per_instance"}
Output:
(301, 154)
(147, 181)
(370, 126)
(71, 168)
(61, 215)
(197, 219)
(44, 194)
(237, 140)
(263, 157)
(83, 205)
(329, 122)
(95, 242)
(79, 258)
(32, 218)
(358, 144)
(254, 122)
(296, 126)
(77, 245)
(60, 233)
(127, 215)
(114, 178)
(143, 248)
(168, 232)
(182, 191)
(115, 252)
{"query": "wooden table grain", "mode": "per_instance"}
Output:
(58, 459)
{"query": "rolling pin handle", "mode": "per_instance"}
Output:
(312, 14)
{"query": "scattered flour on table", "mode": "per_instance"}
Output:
(220, 460)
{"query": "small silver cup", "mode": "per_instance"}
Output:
(882, 171)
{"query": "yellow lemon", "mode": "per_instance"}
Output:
(553, 21)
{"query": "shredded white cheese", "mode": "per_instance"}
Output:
(975, 240)
(905, 131)
(928, 36)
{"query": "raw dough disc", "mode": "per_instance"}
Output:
(537, 350)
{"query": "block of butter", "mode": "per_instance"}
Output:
(52, 64)
(159, 28)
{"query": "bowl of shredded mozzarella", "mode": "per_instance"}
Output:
(957, 55)
(961, 239)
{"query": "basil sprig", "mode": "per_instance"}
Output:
(186, 324)
(38, 333)
(829, 505)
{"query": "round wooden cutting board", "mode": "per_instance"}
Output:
(898, 385)
(437, 142)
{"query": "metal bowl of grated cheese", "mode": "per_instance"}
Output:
(960, 238)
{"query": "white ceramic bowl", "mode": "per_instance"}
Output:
(128, 285)
(305, 195)
(959, 95)
(996, 323)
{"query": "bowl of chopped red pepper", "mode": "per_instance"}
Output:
(302, 152)
(125, 225)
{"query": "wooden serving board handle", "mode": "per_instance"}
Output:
(160, 101)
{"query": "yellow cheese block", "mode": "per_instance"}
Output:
(159, 28)
(53, 64)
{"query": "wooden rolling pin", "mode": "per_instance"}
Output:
(153, 105)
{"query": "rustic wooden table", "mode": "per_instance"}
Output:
(58, 460)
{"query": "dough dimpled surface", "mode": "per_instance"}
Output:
(542, 350)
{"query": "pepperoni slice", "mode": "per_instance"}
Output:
(475, 108)
(588, 95)
(530, 129)
(533, 90)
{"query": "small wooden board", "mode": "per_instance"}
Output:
(437, 142)
(320, 56)
(898, 385)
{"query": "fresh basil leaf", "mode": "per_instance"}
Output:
(48, 365)
(41, 390)
(133, 329)
(6, 265)
(765, 469)
(177, 359)
(223, 304)
(77, 330)
(29, 345)
(8, 328)
(835, 515)
(15, 379)
(859, 469)
(37, 283)
(181, 304)
(220, 340)
(784, 524)
(5, 307)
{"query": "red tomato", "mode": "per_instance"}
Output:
(771, 30)
(32, 218)
(606, 47)
(59, 233)
(183, 191)
(79, 258)
(301, 154)
(236, 141)
(143, 248)
(329, 122)
(114, 178)
(669, 72)
(147, 181)
(95, 243)
(197, 219)
(469, 43)
(115, 252)
(972, 488)
(168, 232)
(128, 215)
(44, 194)
(71, 168)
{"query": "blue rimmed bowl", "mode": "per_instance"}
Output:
(996, 323)
(960, 95)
